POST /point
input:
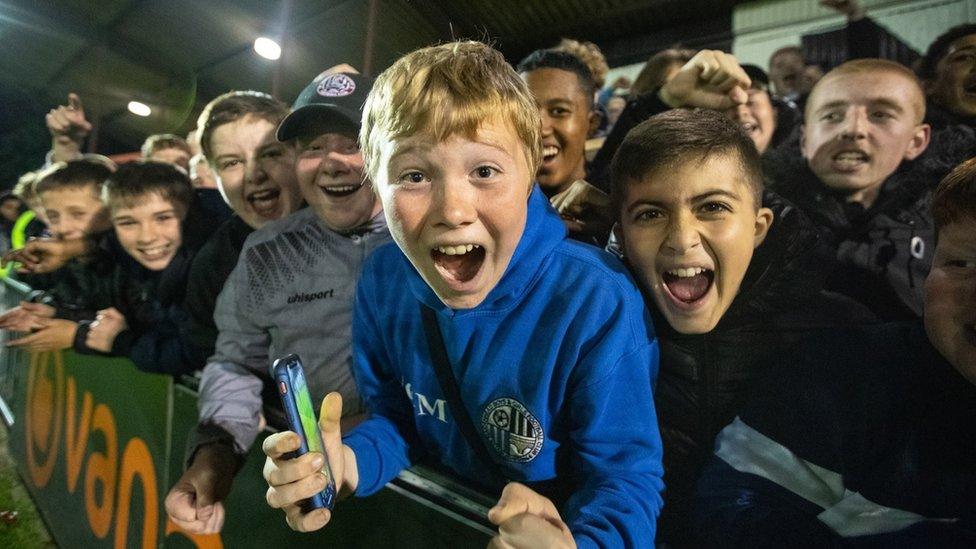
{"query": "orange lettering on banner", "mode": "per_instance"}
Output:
(76, 434)
(42, 415)
(102, 467)
(201, 541)
(137, 461)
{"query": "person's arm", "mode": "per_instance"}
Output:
(230, 390)
(166, 347)
(711, 79)
(739, 504)
(386, 443)
(68, 127)
(617, 449)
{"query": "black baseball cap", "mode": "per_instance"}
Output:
(760, 80)
(332, 102)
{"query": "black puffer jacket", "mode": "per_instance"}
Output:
(705, 379)
(885, 252)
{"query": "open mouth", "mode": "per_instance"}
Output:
(265, 202)
(549, 153)
(338, 191)
(689, 285)
(155, 253)
(459, 263)
(850, 160)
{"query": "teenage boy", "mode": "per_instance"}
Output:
(563, 89)
(875, 446)
(70, 195)
(731, 275)
(545, 341)
(150, 204)
(862, 130)
(256, 177)
(291, 292)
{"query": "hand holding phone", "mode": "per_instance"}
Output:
(297, 402)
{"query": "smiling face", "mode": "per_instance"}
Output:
(149, 231)
(567, 121)
(256, 173)
(73, 212)
(457, 208)
(859, 127)
(689, 231)
(757, 117)
(330, 175)
(954, 86)
(950, 297)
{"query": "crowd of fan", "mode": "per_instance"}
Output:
(749, 320)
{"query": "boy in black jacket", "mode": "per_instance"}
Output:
(732, 276)
(157, 225)
(869, 440)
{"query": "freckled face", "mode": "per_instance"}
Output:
(457, 208)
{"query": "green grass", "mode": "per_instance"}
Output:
(29, 530)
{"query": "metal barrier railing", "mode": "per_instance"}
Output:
(99, 443)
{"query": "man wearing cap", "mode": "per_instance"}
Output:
(291, 292)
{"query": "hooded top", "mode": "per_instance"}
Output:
(706, 378)
(555, 369)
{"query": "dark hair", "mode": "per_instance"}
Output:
(938, 49)
(679, 135)
(796, 50)
(565, 61)
(233, 106)
(132, 183)
(162, 141)
(759, 77)
(955, 197)
(9, 195)
(654, 73)
(73, 174)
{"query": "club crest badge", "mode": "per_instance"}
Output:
(512, 431)
(336, 85)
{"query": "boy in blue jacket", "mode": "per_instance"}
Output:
(548, 340)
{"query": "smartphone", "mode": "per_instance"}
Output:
(289, 378)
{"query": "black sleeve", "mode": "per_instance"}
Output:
(637, 110)
(867, 39)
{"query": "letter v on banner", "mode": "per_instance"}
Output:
(76, 433)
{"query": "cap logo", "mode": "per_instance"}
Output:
(336, 85)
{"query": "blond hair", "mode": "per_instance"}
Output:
(862, 66)
(445, 90)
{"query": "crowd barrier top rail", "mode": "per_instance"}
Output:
(99, 443)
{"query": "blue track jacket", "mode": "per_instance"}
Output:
(555, 367)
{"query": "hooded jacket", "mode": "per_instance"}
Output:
(555, 369)
(706, 378)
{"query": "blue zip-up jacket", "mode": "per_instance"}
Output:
(555, 368)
